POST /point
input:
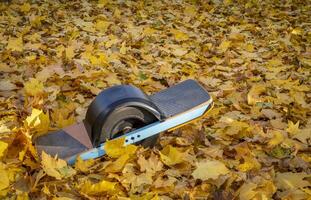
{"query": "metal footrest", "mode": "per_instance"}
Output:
(66, 142)
(180, 98)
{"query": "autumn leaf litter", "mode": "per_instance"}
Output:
(253, 57)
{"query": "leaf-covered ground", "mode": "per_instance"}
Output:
(254, 57)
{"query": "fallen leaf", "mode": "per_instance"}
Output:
(179, 35)
(171, 155)
(249, 164)
(150, 165)
(290, 180)
(179, 51)
(191, 11)
(4, 129)
(123, 48)
(39, 121)
(97, 188)
(114, 148)
(254, 94)
(149, 31)
(33, 87)
(102, 25)
(224, 46)
(3, 147)
(69, 52)
(277, 139)
(7, 85)
(209, 169)
(15, 44)
(247, 191)
(25, 7)
(292, 128)
(297, 31)
(304, 135)
(4, 181)
(55, 167)
(102, 3)
(84, 165)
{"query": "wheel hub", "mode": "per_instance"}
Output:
(125, 126)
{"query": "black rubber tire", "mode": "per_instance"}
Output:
(131, 117)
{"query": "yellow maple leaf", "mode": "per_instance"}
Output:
(90, 188)
(227, 2)
(137, 181)
(236, 127)
(99, 59)
(209, 169)
(23, 196)
(102, 3)
(112, 79)
(3, 147)
(191, 11)
(247, 191)
(45, 190)
(179, 51)
(34, 120)
(273, 63)
(249, 164)
(123, 48)
(171, 155)
(34, 87)
(55, 167)
(304, 135)
(306, 61)
(278, 138)
(4, 129)
(59, 51)
(292, 128)
(38, 121)
(118, 164)
(150, 165)
(117, 13)
(148, 31)
(102, 26)
(7, 85)
(4, 180)
(112, 41)
(25, 7)
(84, 165)
(249, 47)
(254, 93)
(15, 44)
(70, 52)
(297, 31)
(306, 157)
(299, 98)
(63, 116)
(61, 121)
(224, 46)
(290, 180)
(31, 57)
(115, 148)
(179, 35)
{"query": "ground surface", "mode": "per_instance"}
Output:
(254, 58)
